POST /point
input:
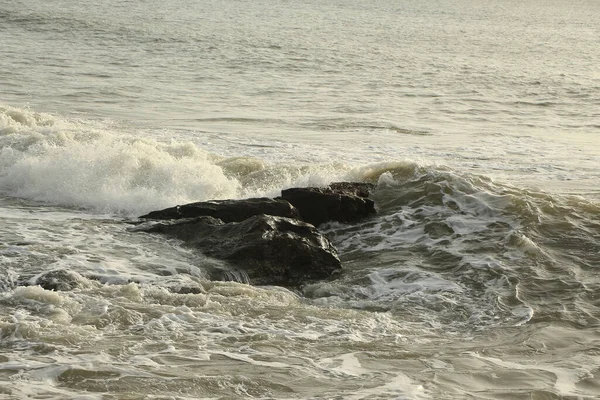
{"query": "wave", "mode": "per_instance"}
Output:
(63, 21)
(457, 250)
(348, 124)
(83, 164)
(43, 21)
(90, 164)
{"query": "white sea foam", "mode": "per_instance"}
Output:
(88, 164)
(49, 159)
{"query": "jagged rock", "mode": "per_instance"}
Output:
(342, 202)
(271, 250)
(262, 238)
(228, 210)
(59, 280)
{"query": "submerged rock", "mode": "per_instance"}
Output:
(341, 202)
(59, 280)
(270, 250)
(187, 290)
(228, 210)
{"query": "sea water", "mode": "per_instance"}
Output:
(478, 122)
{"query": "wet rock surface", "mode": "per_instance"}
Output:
(341, 202)
(227, 210)
(268, 241)
(360, 189)
(270, 250)
(59, 280)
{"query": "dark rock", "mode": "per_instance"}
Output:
(59, 280)
(187, 290)
(271, 250)
(360, 189)
(342, 202)
(228, 210)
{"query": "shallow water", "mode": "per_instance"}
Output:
(478, 123)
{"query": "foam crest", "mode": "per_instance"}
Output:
(13, 120)
(78, 164)
(389, 173)
(91, 165)
(431, 237)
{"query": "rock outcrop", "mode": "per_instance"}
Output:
(228, 210)
(271, 250)
(341, 202)
(360, 189)
(59, 280)
(268, 241)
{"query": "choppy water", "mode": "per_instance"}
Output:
(479, 124)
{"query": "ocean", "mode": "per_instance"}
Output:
(478, 122)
